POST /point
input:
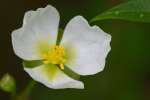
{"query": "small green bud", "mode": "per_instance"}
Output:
(7, 83)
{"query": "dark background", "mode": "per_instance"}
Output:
(127, 73)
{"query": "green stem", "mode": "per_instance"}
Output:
(27, 91)
(29, 87)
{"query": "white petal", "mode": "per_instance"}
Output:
(38, 25)
(54, 78)
(90, 43)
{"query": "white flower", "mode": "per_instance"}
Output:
(83, 48)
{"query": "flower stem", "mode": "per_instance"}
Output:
(29, 87)
(27, 91)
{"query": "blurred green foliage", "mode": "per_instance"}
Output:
(127, 73)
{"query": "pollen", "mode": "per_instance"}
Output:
(55, 55)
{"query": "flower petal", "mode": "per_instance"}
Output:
(38, 25)
(52, 77)
(90, 43)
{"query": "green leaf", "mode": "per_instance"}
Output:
(133, 10)
(7, 83)
(32, 63)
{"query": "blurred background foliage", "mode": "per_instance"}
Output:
(127, 72)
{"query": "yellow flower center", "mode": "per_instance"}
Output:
(55, 55)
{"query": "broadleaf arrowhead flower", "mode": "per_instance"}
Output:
(83, 48)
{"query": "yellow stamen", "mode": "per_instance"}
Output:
(55, 55)
(61, 66)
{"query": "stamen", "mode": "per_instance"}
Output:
(61, 66)
(55, 55)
